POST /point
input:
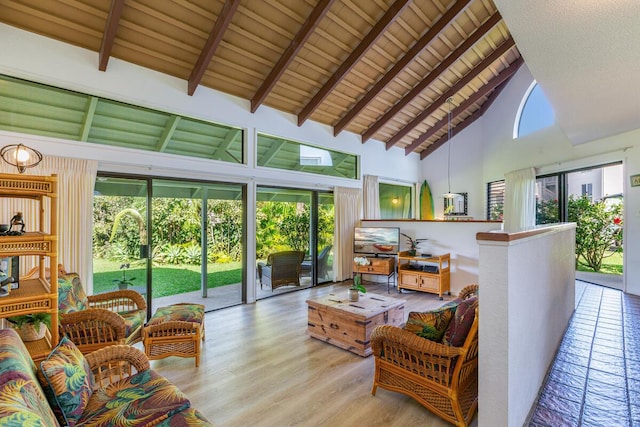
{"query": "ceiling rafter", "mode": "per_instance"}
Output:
(433, 75)
(475, 72)
(221, 25)
(290, 52)
(378, 29)
(408, 57)
(468, 103)
(108, 38)
(167, 133)
(225, 144)
(466, 122)
(88, 118)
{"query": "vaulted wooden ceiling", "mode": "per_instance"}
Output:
(383, 69)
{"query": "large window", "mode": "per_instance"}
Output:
(535, 112)
(280, 153)
(495, 200)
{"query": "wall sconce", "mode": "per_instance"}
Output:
(20, 156)
(395, 200)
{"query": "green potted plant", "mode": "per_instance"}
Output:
(413, 244)
(31, 327)
(125, 282)
(356, 286)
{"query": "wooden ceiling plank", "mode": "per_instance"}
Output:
(378, 29)
(441, 68)
(468, 121)
(411, 54)
(464, 106)
(111, 28)
(223, 21)
(475, 72)
(290, 52)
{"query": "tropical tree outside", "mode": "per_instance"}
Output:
(598, 230)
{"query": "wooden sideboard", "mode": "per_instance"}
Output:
(413, 276)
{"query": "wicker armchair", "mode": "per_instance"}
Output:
(96, 321)
(281, 269)
(442, 378)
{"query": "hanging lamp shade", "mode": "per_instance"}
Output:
(20, 156)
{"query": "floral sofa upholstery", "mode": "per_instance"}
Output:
(113, 386)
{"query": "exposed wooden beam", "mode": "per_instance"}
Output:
(221, 151)
(409, 56)
(271, 153)
(111, 28)
(215, 37)
(466, 122)
(88, 118)
(378, 29)
(442, 67)
(167, 133)
(475, 72)
(479, 94)
(292, 50)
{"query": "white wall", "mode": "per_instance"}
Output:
(455, 237)
(486, 150)
(528, 296)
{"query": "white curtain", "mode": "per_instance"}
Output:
(520, 199)
(371, 197)
(76, 179)
(348, 211)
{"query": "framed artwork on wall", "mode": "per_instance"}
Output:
(10, 271)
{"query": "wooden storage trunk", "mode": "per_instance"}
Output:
(348, 325)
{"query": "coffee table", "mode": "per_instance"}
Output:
(348, 325)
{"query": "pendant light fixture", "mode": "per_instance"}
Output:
(449, 194)
(20, 156)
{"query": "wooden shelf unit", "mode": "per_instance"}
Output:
(39, 294)
(384, 266)
(418, 280)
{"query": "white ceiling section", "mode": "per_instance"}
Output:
(585, 54)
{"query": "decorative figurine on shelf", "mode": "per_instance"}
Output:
(17, 220)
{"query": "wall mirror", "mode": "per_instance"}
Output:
(456, 205)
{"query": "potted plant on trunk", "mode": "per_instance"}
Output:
(31, 327)
(356, 286)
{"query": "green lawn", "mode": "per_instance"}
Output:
(610, 265)
(167, 279)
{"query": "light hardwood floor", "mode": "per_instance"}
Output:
(260, 368)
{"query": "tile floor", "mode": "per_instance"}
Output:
(595, 378)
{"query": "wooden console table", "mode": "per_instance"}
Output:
(413, 276)
(384, 266)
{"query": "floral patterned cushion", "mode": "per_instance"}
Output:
(71, 294)
(182, 312)
(69, 381)
(22, 401)
(430, 324)
(143, 399)
(459, 327)
(133, 320)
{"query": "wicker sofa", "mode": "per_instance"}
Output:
(443, 377)
(113, 386)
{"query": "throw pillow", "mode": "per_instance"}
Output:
(68, 381)
(431, 324)
(458, 329)
(71, 294)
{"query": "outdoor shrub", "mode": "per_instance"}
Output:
(192, 254)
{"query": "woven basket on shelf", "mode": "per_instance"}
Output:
(28, 332)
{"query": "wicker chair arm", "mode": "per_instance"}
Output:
(93, 321)
(116, 362)
(410, 342)
(122, 298)
(468, 291)
(118, 353)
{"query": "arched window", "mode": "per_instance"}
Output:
(535, 112)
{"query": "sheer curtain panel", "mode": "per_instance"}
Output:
(520, 199)
(348, 205)
(371, 197)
